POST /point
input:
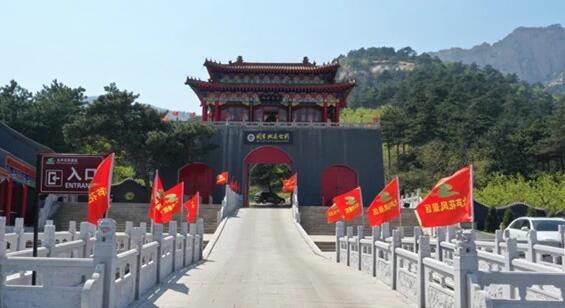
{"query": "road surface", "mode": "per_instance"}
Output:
(260, 260)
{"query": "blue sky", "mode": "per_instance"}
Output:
(149, 47)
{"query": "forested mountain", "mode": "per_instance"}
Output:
(535, 54)
(437, 117)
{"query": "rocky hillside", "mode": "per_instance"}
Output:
(377, 71)
(533, 54)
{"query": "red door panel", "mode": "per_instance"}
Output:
(197, 177)
(337, 180)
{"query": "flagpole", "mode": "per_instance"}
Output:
(110, 186)
(471, 193)
(182, 202)
(362, 208)
(400, 206)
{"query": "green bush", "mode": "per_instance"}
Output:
(531, 212)
(491, 222)
(545, 191)
(508, 218)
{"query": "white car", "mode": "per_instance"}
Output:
(547, 229)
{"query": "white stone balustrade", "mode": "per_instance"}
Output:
(454, 270)
(112, 269)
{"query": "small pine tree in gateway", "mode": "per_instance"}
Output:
(490, 221)
(531, 212)
(508, 218)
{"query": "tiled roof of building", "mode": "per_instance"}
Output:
(240, 66)
(199, 85)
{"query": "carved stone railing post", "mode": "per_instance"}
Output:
(129, 227)
(497, 241)
(105, 253)
(184, 232)
(360, 236)
(417, 234)
(374, 238)
(339, 233)
(531, 252)
(19, 230)
(143, 227)
(349, 235)
(386, 231)
(85, 235)
(192, 229)
(510, 253)
(48, 240)
(158, 237)
(173, 232)
(465, 261)
(423, 252)
(137, 239)
(396, 243)
(441, 234)
(200, 229)
(73, 230)
(450, 233)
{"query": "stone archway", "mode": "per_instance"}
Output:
(262, 155)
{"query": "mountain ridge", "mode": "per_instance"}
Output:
(534, 54)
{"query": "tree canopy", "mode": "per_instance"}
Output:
(437, 117)
(60, 117)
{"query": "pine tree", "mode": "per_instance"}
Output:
(508, 218)
(490, 222)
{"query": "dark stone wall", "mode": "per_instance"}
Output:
(312, 150)
(480, 212)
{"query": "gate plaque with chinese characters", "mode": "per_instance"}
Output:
(66, 173)
(258, 137)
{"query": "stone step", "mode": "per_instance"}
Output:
(325, 246)
(313, 220)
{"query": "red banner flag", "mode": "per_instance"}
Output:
(333, 214)
(192, 206)
(386, 205)
(350, 204)
(222, 178)
(99, 190)
(289, 184)
(157, 194)
(234, 186)
(449, 202)
(171, 204)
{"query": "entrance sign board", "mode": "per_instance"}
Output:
(266, 137)
(66, 173)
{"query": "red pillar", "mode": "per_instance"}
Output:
(8, 207)
(204, 112)
(289, 119)
(24, 201)
(217, 111)
(325, 113)
(336, 114)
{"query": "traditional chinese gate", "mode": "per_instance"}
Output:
(262, 155)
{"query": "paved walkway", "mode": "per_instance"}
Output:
(260, 260)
